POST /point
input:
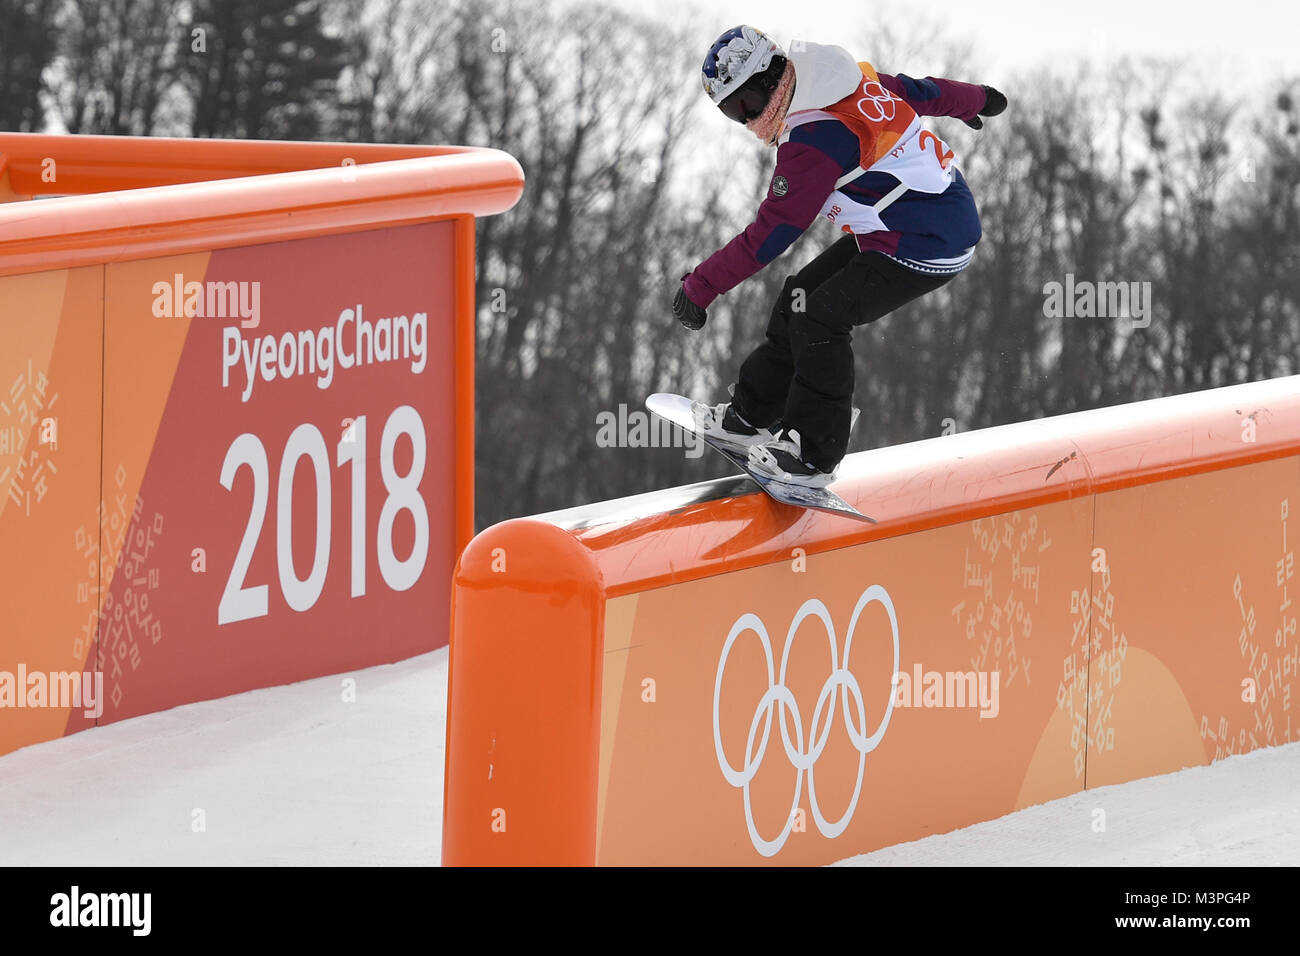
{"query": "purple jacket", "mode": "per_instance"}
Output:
(923, 230)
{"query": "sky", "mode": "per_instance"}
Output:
(1247, 40)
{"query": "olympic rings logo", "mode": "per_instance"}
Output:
(882, 103)
(778, 698)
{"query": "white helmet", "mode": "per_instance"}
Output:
(739, 74)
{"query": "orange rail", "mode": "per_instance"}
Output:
(128, 198)
(940, 481)
(1121, 541)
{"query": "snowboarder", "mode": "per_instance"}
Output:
(850, 147)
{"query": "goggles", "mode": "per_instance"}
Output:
(749, 100)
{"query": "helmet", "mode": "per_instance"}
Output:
(741, 70)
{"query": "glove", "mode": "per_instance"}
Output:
(994, 103)
(687, 312)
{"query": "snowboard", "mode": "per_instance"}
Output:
(677, 410)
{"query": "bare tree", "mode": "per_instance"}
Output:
(116, 64)
(265, 69)
(26, 48)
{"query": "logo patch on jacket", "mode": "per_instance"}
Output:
(780, 187)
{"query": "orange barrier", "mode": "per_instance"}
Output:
(701, 676)
(236, 413)
(195, 202)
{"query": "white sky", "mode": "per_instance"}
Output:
(1253, 39)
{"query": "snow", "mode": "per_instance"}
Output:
(286, 775)
(1240, 811)
(298, 775)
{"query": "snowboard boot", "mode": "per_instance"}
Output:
(724, 423)
(782, 459)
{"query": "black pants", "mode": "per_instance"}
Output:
(802, 373)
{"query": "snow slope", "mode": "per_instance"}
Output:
(297, 775)
(1241, 811)
(286, 775)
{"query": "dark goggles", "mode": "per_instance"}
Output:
(749, 100)
(746, 103)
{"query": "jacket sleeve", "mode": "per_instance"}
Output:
(936, 97)
(804, 177)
